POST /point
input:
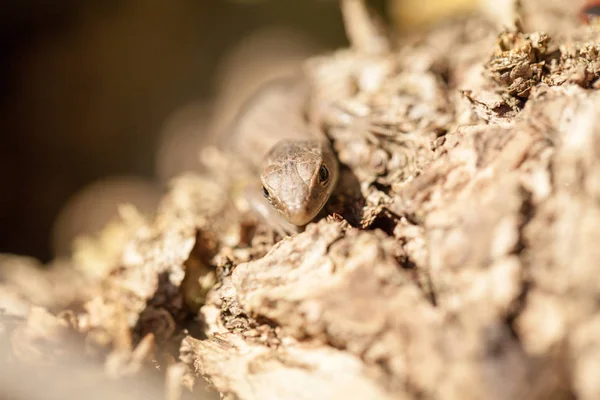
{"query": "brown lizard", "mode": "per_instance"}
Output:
(290, 156)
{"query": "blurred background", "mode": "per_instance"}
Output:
(103, 101)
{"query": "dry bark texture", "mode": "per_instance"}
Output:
(459, 260)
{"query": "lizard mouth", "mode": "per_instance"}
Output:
(301, 215)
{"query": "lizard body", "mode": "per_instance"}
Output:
(291, 157)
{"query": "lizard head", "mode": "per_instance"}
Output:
(298, 178)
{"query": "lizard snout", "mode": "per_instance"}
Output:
(300, 214)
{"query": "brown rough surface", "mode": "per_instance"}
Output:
(458, 261)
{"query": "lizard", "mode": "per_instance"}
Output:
(277, 135)
(292, 167)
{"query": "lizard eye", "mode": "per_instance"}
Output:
(323, 174)
(266, 192)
